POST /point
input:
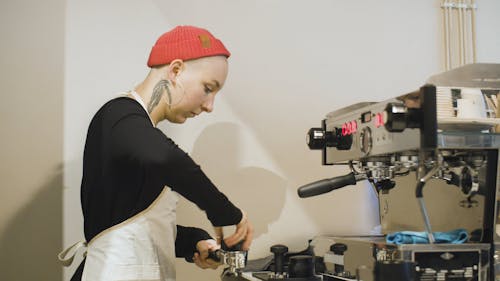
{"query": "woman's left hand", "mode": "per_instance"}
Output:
(243, 232)
(201, 259)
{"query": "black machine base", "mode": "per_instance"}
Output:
(266, 276)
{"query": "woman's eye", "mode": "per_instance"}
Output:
(208, 90)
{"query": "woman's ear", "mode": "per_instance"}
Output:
(174, 69)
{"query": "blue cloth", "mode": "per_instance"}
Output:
(457, 236)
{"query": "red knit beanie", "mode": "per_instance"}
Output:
(185, 43)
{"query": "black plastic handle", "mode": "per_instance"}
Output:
(214, 255)
(326, 185)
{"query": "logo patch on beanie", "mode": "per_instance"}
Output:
(205, 40)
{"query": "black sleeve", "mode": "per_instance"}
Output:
(187, 238)
(134, 136)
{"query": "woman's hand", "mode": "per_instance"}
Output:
(243, 232)
(201, 257)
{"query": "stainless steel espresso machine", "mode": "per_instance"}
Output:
(434, 167)
(433, 172)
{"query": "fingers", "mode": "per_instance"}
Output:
(201, 257)
(219, 234)
(205, 263)
(237, 236)
(249, 238)
(244, 231)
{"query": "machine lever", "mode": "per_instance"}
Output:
(327, 185)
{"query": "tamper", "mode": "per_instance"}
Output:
(279, 252)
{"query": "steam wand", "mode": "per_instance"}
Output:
(420, 197)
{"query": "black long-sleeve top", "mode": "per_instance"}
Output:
(126, 164)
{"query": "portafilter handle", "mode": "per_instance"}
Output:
(327, 185)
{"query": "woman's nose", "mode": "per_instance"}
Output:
(208, 105)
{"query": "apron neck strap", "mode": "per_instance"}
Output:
(141, 102)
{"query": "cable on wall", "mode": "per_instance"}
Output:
(459, 34)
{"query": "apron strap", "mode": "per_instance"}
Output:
(66, 256)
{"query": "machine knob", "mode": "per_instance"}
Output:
(318, 138)
(279, 252)
(399, 117)
(342, 142)
(365, 140)
(395, 115)
(338, 248)
(466, 180)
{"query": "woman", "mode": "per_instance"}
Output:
(133, 173)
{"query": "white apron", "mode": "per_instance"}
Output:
(140, 248)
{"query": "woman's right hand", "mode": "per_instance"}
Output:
(243, 232)
(201, 258)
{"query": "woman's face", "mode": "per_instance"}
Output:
(196, 85)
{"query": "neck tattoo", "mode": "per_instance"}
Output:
(158, 91)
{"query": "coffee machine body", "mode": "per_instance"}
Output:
(433, 173)
(436, 177)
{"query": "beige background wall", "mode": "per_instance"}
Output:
(293, 61)
(31, 150)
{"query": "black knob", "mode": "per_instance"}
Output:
(395, 115)
(340, 141)
(399, 117)
(316, 138)
(466, 180)
(279, 252)
(338, 248)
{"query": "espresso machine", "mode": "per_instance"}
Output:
(434, 170)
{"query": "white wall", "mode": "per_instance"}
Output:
(292, 62)
(488, 35)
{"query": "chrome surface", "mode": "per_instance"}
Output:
(462, 175)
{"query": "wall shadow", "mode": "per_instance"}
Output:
(32, 239)
(258, 191)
